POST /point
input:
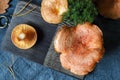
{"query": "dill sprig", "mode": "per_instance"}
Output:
(80, 11)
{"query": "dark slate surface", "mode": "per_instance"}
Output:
(52, 60)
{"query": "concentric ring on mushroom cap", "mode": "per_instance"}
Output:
(53, 10)
(24, 36)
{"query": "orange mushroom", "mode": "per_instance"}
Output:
(108, 8)
(52, 10)
(3, 6)
(24, 36)
(81, 47)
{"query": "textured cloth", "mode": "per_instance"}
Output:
(26, 70)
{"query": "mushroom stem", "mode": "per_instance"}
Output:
(22, 36)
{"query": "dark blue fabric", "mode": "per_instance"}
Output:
(26, 70)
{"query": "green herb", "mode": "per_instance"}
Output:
(80, 11)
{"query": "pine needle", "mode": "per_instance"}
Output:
(25, 12)
(18, 13)
(12, 72)
(22, 8)
(10, 68)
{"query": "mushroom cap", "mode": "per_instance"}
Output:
(24, 36)
(53, 10)
(81, 47)
(109, 9)
(3, 6)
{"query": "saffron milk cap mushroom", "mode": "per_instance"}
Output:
(24, 36)
(52, 10)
